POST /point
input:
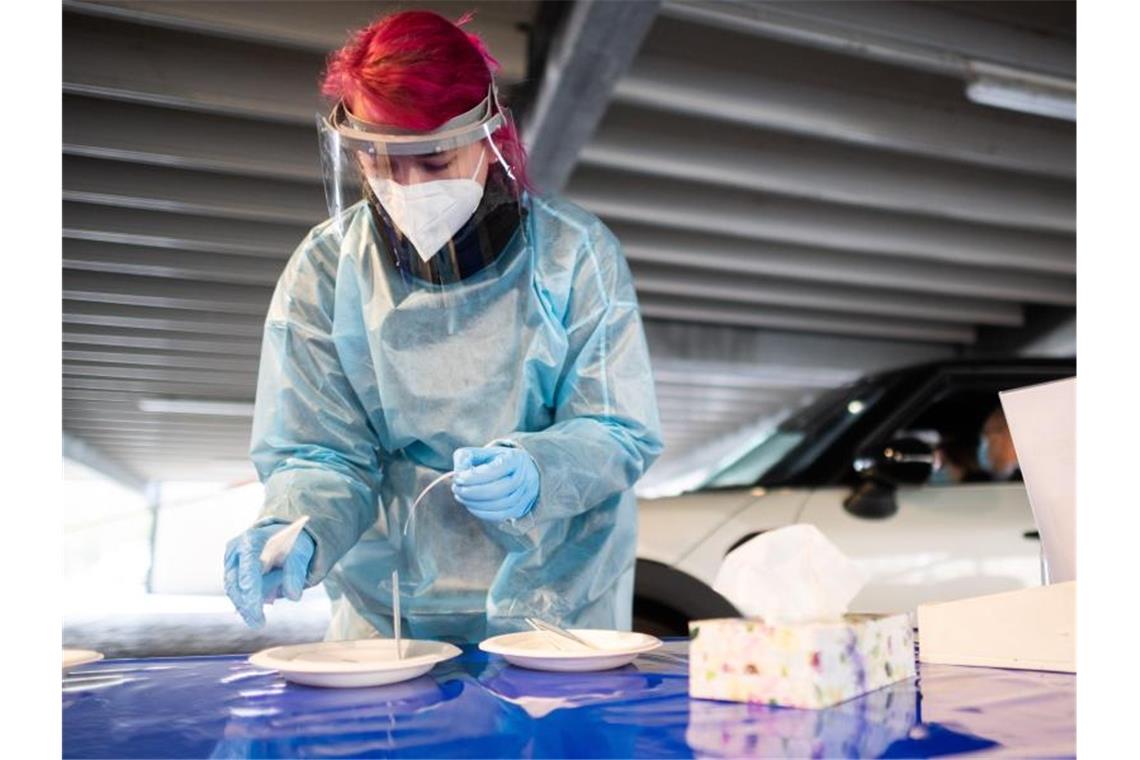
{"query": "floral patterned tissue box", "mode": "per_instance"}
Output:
(811, 665)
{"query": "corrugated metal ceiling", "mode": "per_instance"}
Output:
(793, 213)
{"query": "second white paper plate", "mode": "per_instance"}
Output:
(540, 650)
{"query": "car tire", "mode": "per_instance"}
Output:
(666, 599)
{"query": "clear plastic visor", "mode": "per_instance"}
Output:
(440, 207)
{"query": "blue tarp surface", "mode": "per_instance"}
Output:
(479, 706)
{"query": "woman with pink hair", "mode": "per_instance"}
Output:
(446, 322)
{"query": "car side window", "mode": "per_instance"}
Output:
(966, 430)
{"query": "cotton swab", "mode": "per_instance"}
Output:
(423, 493)
(396, 612)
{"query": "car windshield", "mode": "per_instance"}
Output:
(817, 424)
(751, 467)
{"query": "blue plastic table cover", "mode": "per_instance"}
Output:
(477, 705)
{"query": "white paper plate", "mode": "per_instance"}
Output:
(73, 658)
(348, 664)
(539, 650)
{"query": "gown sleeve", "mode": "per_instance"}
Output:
(606, 432)
(312, 443)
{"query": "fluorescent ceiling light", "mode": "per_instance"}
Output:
(1022, 91)
(196, 406)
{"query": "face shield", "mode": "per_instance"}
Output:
(444, 205)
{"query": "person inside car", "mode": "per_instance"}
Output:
(996, 455)
(955, 462)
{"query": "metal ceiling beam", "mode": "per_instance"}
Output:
(173, 446)
(716, 252)
(83, 419)
(145, 338)
(114, 59)
(949, 132)
(128, 447)
(94, 314)
(158, 457)
(153, 135)
(834, 323)
(85, 221)
(227, 378)
(593, 49)
(925, 36)
(91, 416)
(110, 397)
(155, 449)
(723, 355)
(654, 279)
(94, 256)
(90, 455)
(155, 291)
(1048, 331)
(722, 211)
(237, 441)
(316, 27)
(131, 433)
(138, 357)
(161, 188)
(74, 398)
(173, 410)
(211, 469)
(172, 389)
(634, 140)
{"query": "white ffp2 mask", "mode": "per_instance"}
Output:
(429, 213)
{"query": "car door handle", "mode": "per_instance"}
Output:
(1031, 535)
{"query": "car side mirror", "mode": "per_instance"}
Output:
(906, 461)
(902, 462)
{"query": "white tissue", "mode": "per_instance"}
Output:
(789, 575)
(280, 544)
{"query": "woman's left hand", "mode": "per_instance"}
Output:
(495, 483)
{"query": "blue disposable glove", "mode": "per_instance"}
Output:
(495, 483)
(249, 586)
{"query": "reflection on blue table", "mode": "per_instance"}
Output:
(478, 706)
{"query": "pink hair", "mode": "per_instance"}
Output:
(415, 70)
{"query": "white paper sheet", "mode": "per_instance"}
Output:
(1043, 422)
(280, 544)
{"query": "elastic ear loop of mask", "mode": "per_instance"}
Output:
(491, 136)
(502, 161)
(423, 493)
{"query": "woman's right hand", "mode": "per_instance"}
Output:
(249, 586)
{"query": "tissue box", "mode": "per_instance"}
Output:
(810, 665)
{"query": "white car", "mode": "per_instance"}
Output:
(858, 464)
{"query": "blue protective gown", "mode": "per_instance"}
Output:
(365, 390)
